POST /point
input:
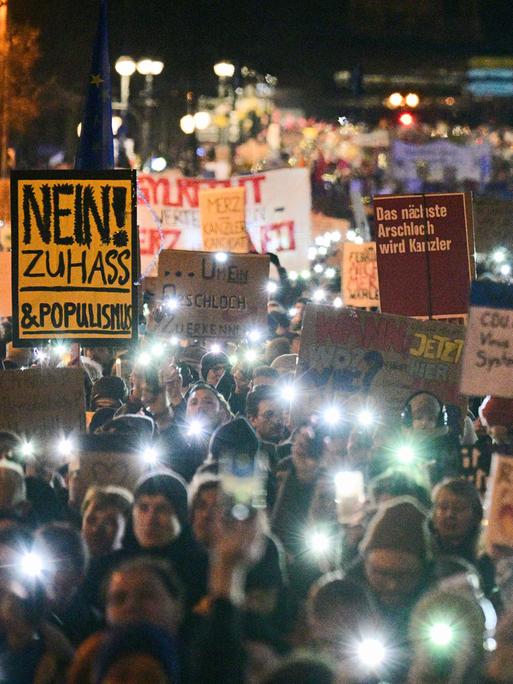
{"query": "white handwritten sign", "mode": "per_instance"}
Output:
(488, 357)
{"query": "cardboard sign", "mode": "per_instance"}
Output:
(355, 355)
(277, 212)
(488, 358)
(223, 222)
(5, 285)
(74, 256)
(212, 298)
(360, 275)
(500, 502)
(423, 246)
(42, 402)
(104, 468)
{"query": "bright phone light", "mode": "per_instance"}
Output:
(371, 653)
(318, 268)
(332, 415)
(215, 348)
(32, 564)
(441, 634)
(150, 455)
(174, 341)
(271, 287)
(337, 302)
(305, 274)
(60, 349)
(144, 359)
(288, 392)
(330, 272)
(233, 359)
(318, 542)
(158, 349)
(171, 303)
(255, 335)
(292, 312)
(195, 428)
(319, 295)
(250, 355)
(27, 449)
(405, 454)
(221, 257)
(365, 418)
(293, 275)
(65, 446)
(499, 256)
(505, 270)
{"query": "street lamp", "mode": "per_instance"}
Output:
(149, 68)
(125, 66)
(224, 70)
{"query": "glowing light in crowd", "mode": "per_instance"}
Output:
(288, 392)
(405, 454)
(337, 302)
(60, 349)
(32, 564)
(150, 455)
(187, 124)
(323, 251)
(319, 295)
(64, 446)
(215, 348)
(358, 240)
(441, 634)
(318, 268)
(221, 257)
(40, 355)
(318, 542)
(171, 303)
(293, 275)
(292, 312)
(351, 234)
(255, 335)
(312, 253)
(371, 653)
(412, 100)
(195, 428)
(499, 255)
(202, 120)
(505, 270)
(158, 164)
(144, 359)
(174, 341)
(332, 415)
(233, 359)
(250, 355)
(336, 236)
(27, 449)
(330, 272)
(366, 418)
(272, 287)
(305, 274)
(158, 349)
(395, 100)
(406, 119)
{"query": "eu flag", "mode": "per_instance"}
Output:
(96, 147)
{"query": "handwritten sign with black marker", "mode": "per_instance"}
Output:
(203, 297)
(488, 358)
(74, 256)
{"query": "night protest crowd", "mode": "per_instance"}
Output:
(356, 557)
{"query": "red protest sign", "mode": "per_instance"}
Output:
(424, 245)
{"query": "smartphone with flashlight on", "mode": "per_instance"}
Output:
(243, 483)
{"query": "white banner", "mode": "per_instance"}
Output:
(470, 162)
(277, 212)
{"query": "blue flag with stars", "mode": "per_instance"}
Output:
(96, 146)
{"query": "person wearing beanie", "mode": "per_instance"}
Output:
(395, 565)
(108, 392)
(266, 414)
(213, 366)
(496, 414)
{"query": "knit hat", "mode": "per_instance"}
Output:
(237, 435)
(211, 359)
(399, 525)
(165, 483)
(121, 642)
(110, 387)
(496, 411)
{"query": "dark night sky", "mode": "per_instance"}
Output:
(298, 41)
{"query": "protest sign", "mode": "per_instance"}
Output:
(354, 355)
(223, 220)
(74, 256)
(487, 366)
(438, 160)
(42, 402)
(203, 297)
(277, 212)
(5, 285)
(499, 530)
(360, 275)
(424, 245)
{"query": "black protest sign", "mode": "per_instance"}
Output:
(74, 256)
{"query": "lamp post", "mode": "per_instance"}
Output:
(149, 68)
(125, 66)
